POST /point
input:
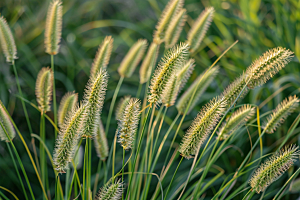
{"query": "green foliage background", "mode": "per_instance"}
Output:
(257, 24)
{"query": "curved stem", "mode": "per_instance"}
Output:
(123, 171)
(54, 96)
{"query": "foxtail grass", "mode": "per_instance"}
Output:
(7, 41)
(67, 104)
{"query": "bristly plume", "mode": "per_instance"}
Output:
(199, 28)
(128, 123)
(6, 126)
(100, 142)
(103, 55)
(174, 29)
(201, 127)
(237, 120)
(273, 168)
(43, 89)
(176, 83)
(121, 107)
(67, 104)
(149, 63)
(7, 41)
(132, 58)
(93, 100)
(68, 138)
(279, 115)
(110, 191)
(267, 65)
(183, 101)
(169, 64)
(53, 27)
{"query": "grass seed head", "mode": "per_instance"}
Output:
(121, 107)
(149, 63)
(93, 99)
(132, 58)
(128, 124)
(279, 115)
(102, 57)
(43, 89)
(110, 191)
(199, 28)
(273, 168)
(67, 104)
(7, 41)
(174, 29)
(7, 127)
(100, 142)
(53, 27)
(168, 66)
(170, 11)
(237, 120)
(267, 65)
(206, 79)
(202, 126)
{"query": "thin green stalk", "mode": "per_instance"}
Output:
(67, 186)
(97, 178)
(84, 171)
(21, 94)
(138, 150)
(15, 165)
(113, 158)
(173, 177)
(90, 167)
(139, 91)
(54, 96)
(248, 193)
(3, 196)
(123, 171)
(113, 101)
(105, 170)
(19, 160)
(42, 150)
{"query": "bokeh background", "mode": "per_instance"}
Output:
(258, 25)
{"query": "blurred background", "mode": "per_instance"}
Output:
(258, 25)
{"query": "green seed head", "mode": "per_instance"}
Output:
(53, 27)
(110, 191)
(67, 104)
(132, 58)
(43, 89)
(7, 41)
(273, 168)
(279, 115)
(100, 142)
(103, 54)
(121, 107)
(6, 127)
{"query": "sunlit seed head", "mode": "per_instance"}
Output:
(100, 142)
(121, 107)
(185, 72)
(279, 115)
(110, 191)
(149, 63)
(67, 104)
(7, 41)
(53, 27)
(6, 126)
(43, 89)
(132, 58)
(273, 168)
(199, 28)
(102, 57)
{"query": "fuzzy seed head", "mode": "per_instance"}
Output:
(149, 63)
(121, 107)
(67, 104)
(110, 191)
(93, 100)
(167, 67)
(267, 65)
(132, 58)
(237, 120)
(199, 28)
(68, 138)
(279, 115)
(128, 124)
(43, 89)
(6, 127)
(273, 168)
(205, 80)
(185, 72)
(174, 29)
(103, 55)
(7, 41)
(202, 126)
(100, 142)
(171, 10)
(53, 27)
